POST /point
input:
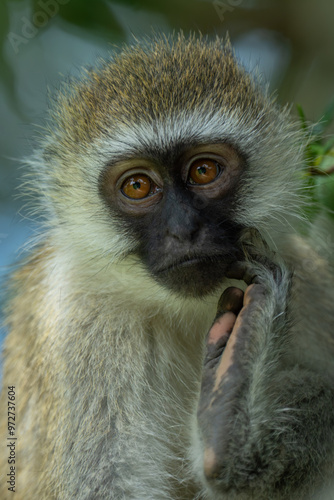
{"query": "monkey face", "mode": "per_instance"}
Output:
(179, 206)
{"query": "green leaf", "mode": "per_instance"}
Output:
(94, 16)
(326, 119)
(325, 193)
(302, 117)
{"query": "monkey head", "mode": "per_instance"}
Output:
(166, 153)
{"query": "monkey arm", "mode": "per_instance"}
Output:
(266, 422)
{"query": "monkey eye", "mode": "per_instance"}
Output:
(203, 171)
(138, 187)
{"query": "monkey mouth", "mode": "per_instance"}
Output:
(189, 261)
(195, 276)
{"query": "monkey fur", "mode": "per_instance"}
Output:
(120, 392)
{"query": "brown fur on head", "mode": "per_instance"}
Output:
(154, 81)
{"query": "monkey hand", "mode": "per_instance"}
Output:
(250, 394)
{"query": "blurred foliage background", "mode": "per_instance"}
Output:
(290, 42)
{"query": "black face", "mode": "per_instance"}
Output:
(181, 215)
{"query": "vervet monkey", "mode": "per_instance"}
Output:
(170, 182)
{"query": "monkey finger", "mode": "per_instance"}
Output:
(242, 270)
(217, 340)
(254, 294)
(229, 306)
(221, 330)
(248, 271)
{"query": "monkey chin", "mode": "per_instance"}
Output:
(194, 278)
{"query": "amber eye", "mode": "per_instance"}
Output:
(203, 171)
(139, 186)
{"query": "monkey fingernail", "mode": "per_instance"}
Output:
(230, 300)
